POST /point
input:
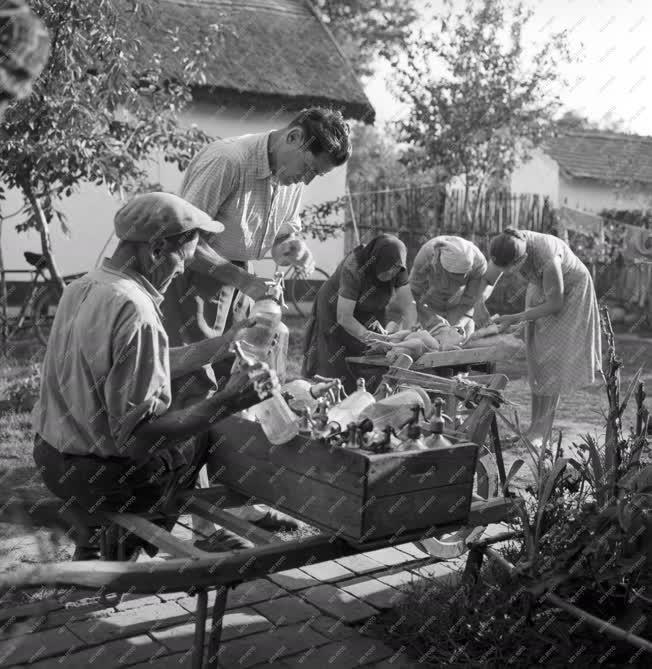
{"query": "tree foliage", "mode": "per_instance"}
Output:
(107, 101)
(368, 29)
(477, 104)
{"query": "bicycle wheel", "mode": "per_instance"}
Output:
(298, 297)
(43, 313)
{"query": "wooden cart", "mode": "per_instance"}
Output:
(197, 571)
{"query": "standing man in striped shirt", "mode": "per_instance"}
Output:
(253, 185)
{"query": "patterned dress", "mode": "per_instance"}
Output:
(564, 350)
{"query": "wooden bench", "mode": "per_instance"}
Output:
(196, 571)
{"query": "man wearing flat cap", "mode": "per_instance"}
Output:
(104, 431)
(446, 281)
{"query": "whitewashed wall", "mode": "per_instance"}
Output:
(540, 175)
(90, 212)
(594, 196)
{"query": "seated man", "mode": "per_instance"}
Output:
(104, 435)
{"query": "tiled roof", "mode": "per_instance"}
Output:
(273, 49)
(605, 156)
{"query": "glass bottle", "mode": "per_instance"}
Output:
(437, 438)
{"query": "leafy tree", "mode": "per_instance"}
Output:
(109, 99)
(477, 105)
(368, 29)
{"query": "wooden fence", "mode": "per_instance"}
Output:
(416, 214)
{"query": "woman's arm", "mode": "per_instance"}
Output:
(486, 287)
(406, 305)
(553, 289)
(346, 319)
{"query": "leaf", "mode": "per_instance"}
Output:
(513, 470)
(550, 482)
(630, 390)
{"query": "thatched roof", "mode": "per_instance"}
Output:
(603, 156)
(270, 54)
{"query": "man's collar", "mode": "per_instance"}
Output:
(261, 157)
(110, 266)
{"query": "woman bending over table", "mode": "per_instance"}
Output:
(350, 307)
(563, 340)
(446, 281)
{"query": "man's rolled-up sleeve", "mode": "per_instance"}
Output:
(138, 385)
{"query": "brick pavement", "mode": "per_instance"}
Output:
(309, 617)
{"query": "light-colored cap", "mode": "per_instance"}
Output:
(456, 255)
(153, 215)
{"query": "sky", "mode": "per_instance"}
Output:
(612, 79)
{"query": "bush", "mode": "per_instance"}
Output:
(21, 394)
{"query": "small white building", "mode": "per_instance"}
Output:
(590, 170)
(272, 58)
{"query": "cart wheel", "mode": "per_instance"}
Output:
(453, 545)
(43, 315)
(296, 299)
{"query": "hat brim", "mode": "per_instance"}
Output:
(209, 225)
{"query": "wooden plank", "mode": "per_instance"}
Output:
(342, 468)
(395, 473)
(217, 494)
(315, 502)
(225, 568)
(156, 535)
(417, 511)
(241, 527)
(465, 356)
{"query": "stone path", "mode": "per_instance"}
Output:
(313, 617)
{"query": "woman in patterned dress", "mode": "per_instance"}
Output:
(350, 307)
(563, 340)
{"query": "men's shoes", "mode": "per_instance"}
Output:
(275, 521)
(223, 540)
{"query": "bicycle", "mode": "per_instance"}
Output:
(296, 296)
(37, 311)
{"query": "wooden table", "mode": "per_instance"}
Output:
(442, 363)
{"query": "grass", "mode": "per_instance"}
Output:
(446, 624)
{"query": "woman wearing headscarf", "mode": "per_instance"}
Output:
(446, 281)
(350, 307)
(563, 341)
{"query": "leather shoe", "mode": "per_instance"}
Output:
(275, 521)
(223, 540)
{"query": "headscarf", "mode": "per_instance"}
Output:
(24, 49)
(456, 255)
(381, 254)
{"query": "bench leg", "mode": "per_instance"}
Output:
(215, 634)
(473, 566)
(200, 630)
(498, 451)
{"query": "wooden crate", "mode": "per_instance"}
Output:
(357, 495)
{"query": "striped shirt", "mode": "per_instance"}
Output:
(231, 180)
